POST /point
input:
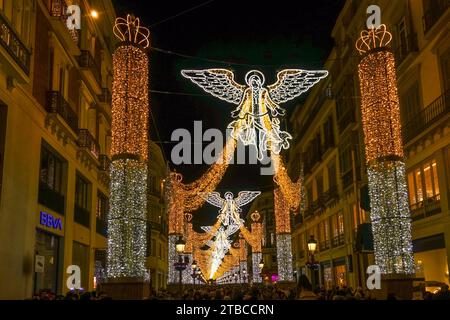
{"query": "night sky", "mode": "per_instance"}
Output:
(241, 36)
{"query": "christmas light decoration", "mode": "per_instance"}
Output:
(127, 240)
(284, 257)
(390, 216)
(292, 191)
(256, 259)
(282, 213)
(258, 108)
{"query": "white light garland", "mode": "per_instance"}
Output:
(284, 257)
(256, 259)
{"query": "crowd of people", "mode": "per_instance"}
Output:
(303, 291)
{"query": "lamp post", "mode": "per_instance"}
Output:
(194, 270)
(181, 265)
(312, 264)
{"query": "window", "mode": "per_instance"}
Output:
(319, 184)
(82, 201)
(51, 180)
(410, 103)
(160, 251)
(332, 174)
(423, 183)
(153, 248)
(80, 257)
(102, 206)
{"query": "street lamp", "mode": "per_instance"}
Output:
(312, 244)
(180, 244)
(261, 264)
(182, 264)
(312, 264)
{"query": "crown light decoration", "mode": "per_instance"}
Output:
(380, 112)
(130, 30)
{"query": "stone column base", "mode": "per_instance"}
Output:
(401, 286)
(126, 288)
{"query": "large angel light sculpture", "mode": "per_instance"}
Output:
(258, 108)
(230, 208)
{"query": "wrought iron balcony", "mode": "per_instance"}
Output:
(101, 227)
(51, 198)
(426, 117)
(330, 195)
(426, 208)
(434, 13)
(82, 216)
(86, 60)
(105, 97)
(59, 9)
(402, 51)
(12, 44)
(87, 140)
(58, 105)
(105, 162)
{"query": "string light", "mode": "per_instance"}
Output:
(390, 216)
(258, 108)
(127, 241)
(284, 257)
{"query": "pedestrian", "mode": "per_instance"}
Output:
(305, 289)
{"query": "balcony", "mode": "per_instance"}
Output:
(101, 227)
(409, 45)
(58, 9)
(105, 97)
(434, 13)
(87, 61)
(10, 41)
(56, 104)
(426, 208)
(105, 163)
(347, 179)
(426, 117)
(338, 240)
(86, 140)
(82, 216)
(51, 198)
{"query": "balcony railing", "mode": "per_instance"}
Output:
(59, 9)
(347, 179)
(101, 227)
(12, 44)
(82, 216)
(426, 208)
(87, 140)
(86, 60)
(434, 13)
(406, 47)
(51, 198)
(58, 105)
(426, 117)
(338, 240)
(105, 97)
(105, 162)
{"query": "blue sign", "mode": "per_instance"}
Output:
(49, 221)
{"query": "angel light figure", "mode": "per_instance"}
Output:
(258, 108)
(230, 208)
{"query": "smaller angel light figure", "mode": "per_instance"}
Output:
(230, 208)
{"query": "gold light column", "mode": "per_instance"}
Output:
(127, 241)
(390, 216)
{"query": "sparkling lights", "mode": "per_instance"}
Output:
(258, 108)
(390, 216)
(127, 241)
(284, 257)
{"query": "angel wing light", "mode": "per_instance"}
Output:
(258, 108)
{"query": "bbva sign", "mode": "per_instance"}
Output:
(46, 219)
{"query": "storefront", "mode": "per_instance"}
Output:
(327, 275)
(430, 257)
(340, 272)
(48, 263)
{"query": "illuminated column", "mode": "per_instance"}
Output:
(390, 216)
(256, 229)
(127, 216)
(284, 241)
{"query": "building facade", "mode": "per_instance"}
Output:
(55, 97)
(329, 143)
(157, 228)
